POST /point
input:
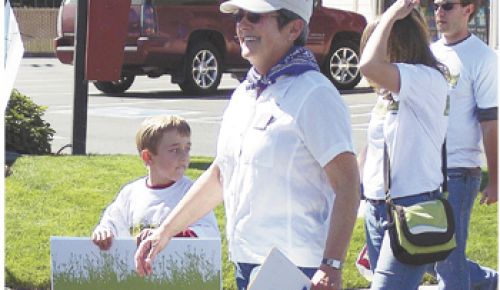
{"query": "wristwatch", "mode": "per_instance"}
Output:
(334, 263)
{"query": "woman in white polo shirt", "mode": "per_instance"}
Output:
(410, 118)
(285, 167)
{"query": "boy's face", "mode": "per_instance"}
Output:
(171, 159)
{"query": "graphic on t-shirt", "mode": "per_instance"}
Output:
(136, 229)
(150, 219)
(453, 79)
(385, 104)
(382, 107)
(393, 106)
(452, 82)
(447, 108)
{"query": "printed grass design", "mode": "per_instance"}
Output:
(106, 271)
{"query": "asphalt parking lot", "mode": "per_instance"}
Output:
(113, 119)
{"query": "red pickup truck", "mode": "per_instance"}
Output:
(195, 43)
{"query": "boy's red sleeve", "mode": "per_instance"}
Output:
(187, 233)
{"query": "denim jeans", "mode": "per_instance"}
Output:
(244, 272)
(375, 226)
(389, 273)
(457, 272)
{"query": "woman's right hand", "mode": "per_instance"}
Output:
(401, 8)
(147, 251)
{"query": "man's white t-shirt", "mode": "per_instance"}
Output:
(474, 70)
(271, 153)
(414, 127)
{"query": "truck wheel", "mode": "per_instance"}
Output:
(203, 69)
(115, 87)
(342, 65)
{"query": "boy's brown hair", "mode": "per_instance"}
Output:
(152, 129)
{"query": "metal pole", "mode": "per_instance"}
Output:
(81, 85)
(380, 7)
(493, 29)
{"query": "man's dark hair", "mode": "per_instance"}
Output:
(475, 3)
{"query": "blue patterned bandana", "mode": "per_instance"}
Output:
(297, 61)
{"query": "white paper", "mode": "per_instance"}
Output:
(278, 272)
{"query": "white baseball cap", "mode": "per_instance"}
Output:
(303, 8)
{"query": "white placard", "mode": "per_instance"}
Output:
(185, 264)
(277, 272)
(12, 54)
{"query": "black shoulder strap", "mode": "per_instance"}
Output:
(444, 167)
(387, 171)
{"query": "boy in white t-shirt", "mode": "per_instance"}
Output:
(163, 143)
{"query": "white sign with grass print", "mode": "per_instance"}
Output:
(185, 264)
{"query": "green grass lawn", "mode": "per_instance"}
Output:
(65, 196)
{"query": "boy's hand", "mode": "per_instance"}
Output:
(103, 238)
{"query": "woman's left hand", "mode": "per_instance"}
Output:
(148, 249)
(143, 235)
(401, 8)
(327, 278)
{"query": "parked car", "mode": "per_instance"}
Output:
(195, 43)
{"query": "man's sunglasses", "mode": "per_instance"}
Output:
(447, 6)
(253, 18)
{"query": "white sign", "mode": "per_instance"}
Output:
(185, 264)
(13, 53)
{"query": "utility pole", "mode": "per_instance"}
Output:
(81, 86)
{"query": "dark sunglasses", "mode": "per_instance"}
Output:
(253, 18)
(446, 6)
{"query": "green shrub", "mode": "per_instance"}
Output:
(25, 130)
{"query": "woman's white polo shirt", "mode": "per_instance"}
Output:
(271, 152)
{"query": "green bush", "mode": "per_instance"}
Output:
(25, 130)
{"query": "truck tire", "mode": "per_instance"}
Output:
(115, 87)
(342, 65)
(203, 69)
